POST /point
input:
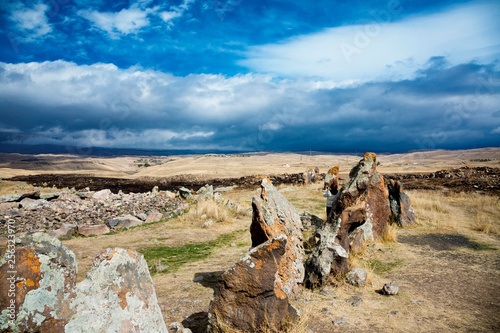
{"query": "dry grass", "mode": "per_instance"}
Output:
(205, 210)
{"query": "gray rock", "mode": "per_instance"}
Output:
(185, 193)
(355, 301)
(102, 195)
(208, 224)
(391, 288)
(32, 204)
(154, 216)
(142, 216)
(356, 277)
(126, 222)
(66, 230)
(106, 303)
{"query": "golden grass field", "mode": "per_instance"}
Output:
(448, 265)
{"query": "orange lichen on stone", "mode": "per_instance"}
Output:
(273, 245)
(369, 155)
(258, 265)
(29, 265)
(122, 295)
(334, 170)
(279, 293)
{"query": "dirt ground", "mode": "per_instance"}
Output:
(448, 271)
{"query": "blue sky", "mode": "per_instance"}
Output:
(337, 76)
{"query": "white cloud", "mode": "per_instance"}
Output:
(126, 21)
(32, 21)
(384, 49)
(175, 11)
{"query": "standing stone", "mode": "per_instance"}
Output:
(117, 296)
(274, 215)
(361, 212)
(249, 297)
(401, 212)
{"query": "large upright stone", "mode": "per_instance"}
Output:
(117, 296)
(361, 212)
(249, 297)
(401, 212)
(274, 215)
(39, 279)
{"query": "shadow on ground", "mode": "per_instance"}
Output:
(443, 242)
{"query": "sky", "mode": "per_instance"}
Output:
(251, 75)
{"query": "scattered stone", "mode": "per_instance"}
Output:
(126, 222)
(249, 296)
(340, 322)
(170, 194)
(142, 216)
(355, 301)
(274, 215)
(208, 224)
(32, 204)
(97, 229)
(218, 197)
(356, 277)
(391, 288)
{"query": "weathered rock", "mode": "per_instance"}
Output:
(35, 194)
(391, 288)
(50, 195)
(360, 212)
(206, 192)
(310, 220)
(332, 173)
(178, 328)
(274, 215)
(8, 205)
(311, 175)
(401, 212)
(31, 204)
(154, 216)
(65, 230)
(356, 277)
(142, 216)
(249, 297)
(116, 296)
(69, 197)
(185, 193)
(97, 229)
(40, 284)
(126, 222)
(105, 194)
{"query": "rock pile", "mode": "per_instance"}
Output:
(87, 212)
(41, 293)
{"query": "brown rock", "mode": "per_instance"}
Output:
(249, 299)
(98, 229)
(360, 213)
(274, 215)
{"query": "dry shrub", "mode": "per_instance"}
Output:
(389, 235)
(207, 210)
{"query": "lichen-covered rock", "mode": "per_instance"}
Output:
(249, 297)
(360, 212)
(39, 292)
(125, 222)
(356, 277)
(274, 215)
(116, 296)
(39, 283)
(66, 230)
(401, 212)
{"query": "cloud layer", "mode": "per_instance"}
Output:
(102, 105)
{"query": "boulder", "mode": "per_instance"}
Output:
(66, 230)
(42, 282)
(105, 194)
(124, 222)
(185, 193)
(356, 277)
(96, 229)
(69, 197)
(116, 296)
(32, 204)
(249, 297)
(154, 216)
(360, 212)
(401, 212)
(391, 288)
(274, 215)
